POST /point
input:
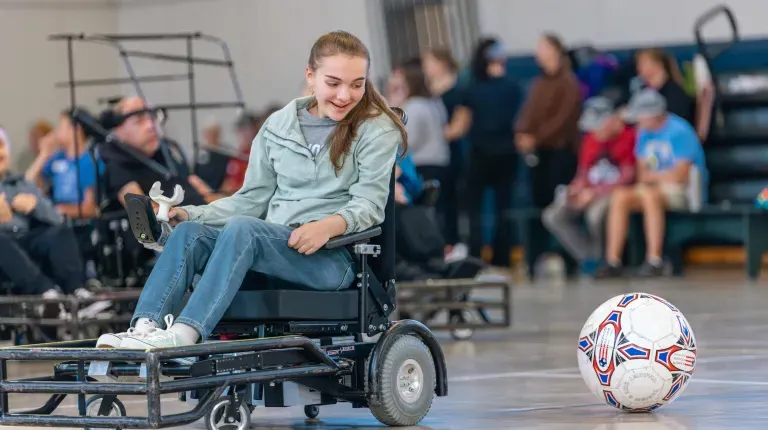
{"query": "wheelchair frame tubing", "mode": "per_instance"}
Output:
(319, 365)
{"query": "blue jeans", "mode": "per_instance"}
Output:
(243, 244)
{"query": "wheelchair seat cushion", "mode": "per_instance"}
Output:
(276, 305)
(264, 298)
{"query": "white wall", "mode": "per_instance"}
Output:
(612, 23)
(30, 64)
(269, 40)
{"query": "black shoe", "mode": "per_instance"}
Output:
(650, 270)
(609, 271)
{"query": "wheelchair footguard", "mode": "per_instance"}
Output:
(27, 319)
(396, 377)
(459, 306)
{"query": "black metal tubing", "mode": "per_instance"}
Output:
(408, 327)
(153, 387)
(709, 58)
(69, 354)
(199, 106)
(115, 40)
(704, 19)
(154, 36)
(116, 81)
(36, 387)
(182, 385)
(178, 58)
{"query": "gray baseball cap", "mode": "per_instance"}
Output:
(596, 110)
(645, 103)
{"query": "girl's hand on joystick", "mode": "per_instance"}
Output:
(176, 215)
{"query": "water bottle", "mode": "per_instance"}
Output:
(694, 191)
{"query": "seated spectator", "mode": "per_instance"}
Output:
(606, 161)
(211, 165)
(125, 174)
(659, 71)
(247, 126)
(427, 118)
(33, 237)
(547, 127)
(66, 168)
(672, 174)
(408, 183)
(26, 155)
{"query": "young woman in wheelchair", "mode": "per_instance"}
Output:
(319, 168)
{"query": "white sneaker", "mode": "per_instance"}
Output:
(94, 308)
(155, 338)
(114, 340)
(47, 310)
(459, 252)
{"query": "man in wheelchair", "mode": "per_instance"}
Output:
(132, 122)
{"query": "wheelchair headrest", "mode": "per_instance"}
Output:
(401, 113)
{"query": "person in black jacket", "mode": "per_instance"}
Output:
(486, 115)
(659, 71)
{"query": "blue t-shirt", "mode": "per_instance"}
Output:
(410, 178)
(675, 141)
(61, 172)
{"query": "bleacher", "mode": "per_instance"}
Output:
(736, 151)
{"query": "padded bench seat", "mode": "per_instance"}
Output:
(252, 305)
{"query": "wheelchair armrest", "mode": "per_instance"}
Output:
(352, 238)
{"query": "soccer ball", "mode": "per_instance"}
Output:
(637, 352)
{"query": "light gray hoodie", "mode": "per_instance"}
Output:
(286, 184)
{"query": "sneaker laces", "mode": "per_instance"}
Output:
(152, 331)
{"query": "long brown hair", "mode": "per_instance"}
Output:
(371, 105)
(415, 80)
(665, 59)
(444, 56)
(557, 42)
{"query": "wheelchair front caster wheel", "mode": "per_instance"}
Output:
(104, 406)
(224, 417)
(406, 383)
(311, 411)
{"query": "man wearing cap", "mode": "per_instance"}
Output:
(606, 162)
(672, 174)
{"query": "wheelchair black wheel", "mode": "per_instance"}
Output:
(217, 418)
(406, 376)
(94, 404)
(311, 411)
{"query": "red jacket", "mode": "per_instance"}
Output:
(620, 151)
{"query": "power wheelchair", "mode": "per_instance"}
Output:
(273, 348)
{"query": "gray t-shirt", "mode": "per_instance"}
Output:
(316, 130)
(427, 119)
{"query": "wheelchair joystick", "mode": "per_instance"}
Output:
(165, 203)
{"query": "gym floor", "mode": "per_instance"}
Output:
(527, 377)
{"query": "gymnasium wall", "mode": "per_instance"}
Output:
(30, 64)
(269, 39)
(612, 23)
